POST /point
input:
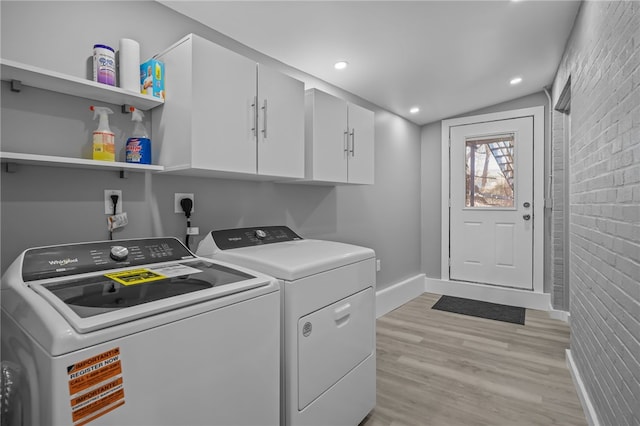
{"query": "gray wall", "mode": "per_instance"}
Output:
(49, 205)
(602, 58)
(431, 158)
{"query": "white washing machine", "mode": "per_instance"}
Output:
(138, 332)
(328, 290)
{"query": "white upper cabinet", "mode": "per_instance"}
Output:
(339, 139)
(227, 116)
(361, 153)
(280, 124)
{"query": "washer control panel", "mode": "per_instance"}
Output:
(71, 259)
(227, 239)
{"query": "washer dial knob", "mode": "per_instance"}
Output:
(119, 253)
(260, 234)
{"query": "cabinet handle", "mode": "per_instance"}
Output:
(353, 142)
(255, 115)
(264, 109)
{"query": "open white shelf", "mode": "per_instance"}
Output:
(41, 78)
(50, 160)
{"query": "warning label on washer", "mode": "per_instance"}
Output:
(135, 276)
(175, 270)
(95, 386)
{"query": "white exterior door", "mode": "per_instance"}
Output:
(491, 203)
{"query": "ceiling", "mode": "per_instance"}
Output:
(445, 57)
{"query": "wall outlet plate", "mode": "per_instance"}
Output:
(108, 204)
(177, 208)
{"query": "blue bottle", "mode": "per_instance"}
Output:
(138, 148)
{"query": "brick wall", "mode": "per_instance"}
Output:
(603, 60)
(559, 267)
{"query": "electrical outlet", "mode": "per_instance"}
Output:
(108, 203)
(378, 265)
(177, 208)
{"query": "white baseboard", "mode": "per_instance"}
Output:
(559, 315)
(487, 293)
(396, 295)
(587, 406)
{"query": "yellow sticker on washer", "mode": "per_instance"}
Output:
(135, 276)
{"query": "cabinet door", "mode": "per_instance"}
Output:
(361, 145)
(326, 138)
(171, 123)
(281, 124)
(224, 90)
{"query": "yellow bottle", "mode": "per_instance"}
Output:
(104, 147)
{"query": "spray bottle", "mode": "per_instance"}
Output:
(104, 147)
(139, 144)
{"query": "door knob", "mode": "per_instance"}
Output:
(526, 216)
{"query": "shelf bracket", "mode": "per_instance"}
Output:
(11, 167)
(16, 85)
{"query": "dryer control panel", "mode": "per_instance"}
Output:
(227, 239)
(72, 259)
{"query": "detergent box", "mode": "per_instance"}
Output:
(152, 78)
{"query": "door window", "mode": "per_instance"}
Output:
(489, 171)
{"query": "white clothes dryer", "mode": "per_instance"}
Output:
(138, 332)
(328, 305)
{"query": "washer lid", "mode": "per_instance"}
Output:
(91, 302)
(98, 284)
(292, 260)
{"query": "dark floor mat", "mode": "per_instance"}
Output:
(476, 308)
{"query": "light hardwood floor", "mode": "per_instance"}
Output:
(441, 368)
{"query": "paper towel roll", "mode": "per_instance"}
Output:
(129, 65)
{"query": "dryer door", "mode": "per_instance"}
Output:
(332, 341)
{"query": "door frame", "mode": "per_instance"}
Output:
(538, 186)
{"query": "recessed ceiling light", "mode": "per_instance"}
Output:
(414, 110)
(341, 65)
(516, 80)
